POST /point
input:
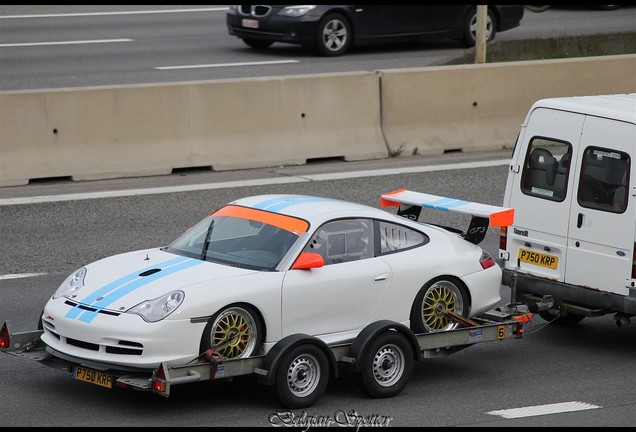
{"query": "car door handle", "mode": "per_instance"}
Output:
(579, 221)
(381, 277)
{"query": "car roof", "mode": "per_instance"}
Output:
(309, 207)
(617, 106)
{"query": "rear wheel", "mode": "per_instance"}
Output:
(334, 35)
(387, 365)
(434, 299)
(302, 376)
(234, 332)
(564, 320)
(258, 44)
(469, 37)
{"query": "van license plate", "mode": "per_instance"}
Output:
(93, 377)
(539, 259)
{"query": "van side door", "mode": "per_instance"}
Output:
(602, 220)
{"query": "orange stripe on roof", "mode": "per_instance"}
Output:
(288, 223)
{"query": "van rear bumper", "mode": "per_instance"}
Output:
(566, 294)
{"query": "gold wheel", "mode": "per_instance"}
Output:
(440, 297)
(234, 333)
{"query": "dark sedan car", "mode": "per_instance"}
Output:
(333, 29)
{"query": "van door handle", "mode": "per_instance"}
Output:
(579, 221)
(381, 277)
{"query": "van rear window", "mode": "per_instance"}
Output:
(546, 169)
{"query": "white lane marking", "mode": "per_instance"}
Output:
(76, 42)
(20, 275)
(538, 410)
(80, 14)
(254, 182)
(226, 64)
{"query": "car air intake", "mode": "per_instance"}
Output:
(149, 272)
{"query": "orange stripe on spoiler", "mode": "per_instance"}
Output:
(387, 203)
(288, 223)
(502, 218)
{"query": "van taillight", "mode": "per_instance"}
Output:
(503, 238)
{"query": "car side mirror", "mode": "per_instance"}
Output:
(308, 260)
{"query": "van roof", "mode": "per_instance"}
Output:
(618, 106)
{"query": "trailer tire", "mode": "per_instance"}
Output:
(302, 376)
(387, 365)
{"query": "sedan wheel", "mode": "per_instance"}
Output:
(428, 313)
(470, 29)
(334, 35)
(235, 332)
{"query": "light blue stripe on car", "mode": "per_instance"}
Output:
(445, 203)
(73, 313)
(277, 204)
(87, 316)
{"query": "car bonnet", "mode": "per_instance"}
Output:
(122, 281)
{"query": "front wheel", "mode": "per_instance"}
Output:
(386, 365)
(302, 376)
(334, 35)
(428, 313)
(469, 37)
(234, 332)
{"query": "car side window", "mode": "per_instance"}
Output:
(343, 240)
(395, 237)
(546, 169)
(604, 179)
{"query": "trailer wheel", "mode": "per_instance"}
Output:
(302, 376)
(386, 365)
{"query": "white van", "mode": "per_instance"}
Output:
(572, 184)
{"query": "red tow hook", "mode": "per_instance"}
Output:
(216, 360)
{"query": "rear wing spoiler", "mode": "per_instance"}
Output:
(483, 215)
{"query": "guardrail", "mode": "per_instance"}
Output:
(122, 131)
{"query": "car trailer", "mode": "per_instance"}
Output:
(382, 356)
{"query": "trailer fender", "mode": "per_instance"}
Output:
(274, 355)
(370, 332)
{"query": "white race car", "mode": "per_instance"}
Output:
(265, 267)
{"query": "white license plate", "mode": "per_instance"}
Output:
(250, 23)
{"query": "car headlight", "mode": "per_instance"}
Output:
(296, 11)
(72, 283)
(159, 308)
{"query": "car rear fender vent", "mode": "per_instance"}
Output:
(91, 309)
(149, 272)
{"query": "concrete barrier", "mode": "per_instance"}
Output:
(480, 107)
(123, 131)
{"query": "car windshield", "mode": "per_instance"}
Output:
(241, 237)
